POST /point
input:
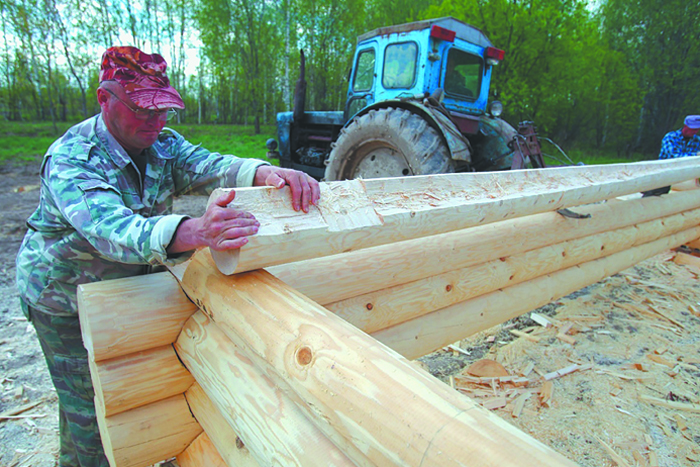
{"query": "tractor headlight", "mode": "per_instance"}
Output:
(496, 109)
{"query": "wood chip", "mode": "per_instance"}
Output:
(519, 404)
(19, 410)
(653, 459)
(661, 360)
(525, 335)
(676, 405)
(528, 369)
(495, 403)
(566, 339)
(640, 459)
(680, 422)
(546, 393)
(567, 370)
(487, 368)
(541, 320)
(618, 459)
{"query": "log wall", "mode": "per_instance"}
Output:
(264, 375)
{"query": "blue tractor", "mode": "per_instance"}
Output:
(417, 104)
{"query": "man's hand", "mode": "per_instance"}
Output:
(305, 189)
(220, 228)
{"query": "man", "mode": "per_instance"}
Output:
(680, 143)
(107, 189)
(684, 142)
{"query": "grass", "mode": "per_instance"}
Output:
(26, 142)
(21, 141)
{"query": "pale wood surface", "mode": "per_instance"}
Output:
(149, 434)
(687, 260)
(130, 381)
(115, 323)
(201, 453)
(276, 432)
(338, 277)
(362, 213)
(694, 244)
(388, 307)
(361, 394)
(221, 435)
(427, 333)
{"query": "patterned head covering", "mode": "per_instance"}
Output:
(692, 122)
(142, 76)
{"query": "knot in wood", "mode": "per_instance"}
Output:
(369, 306)
(304, 356)
(239, 443)
(448, 288)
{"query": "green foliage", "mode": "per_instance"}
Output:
(238, 140)
(660, 41)
(615, 78)
(29, 141)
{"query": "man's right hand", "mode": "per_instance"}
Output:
(220, 228)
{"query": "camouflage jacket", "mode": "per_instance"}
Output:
(98, 219)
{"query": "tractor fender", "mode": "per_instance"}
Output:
(458, 146)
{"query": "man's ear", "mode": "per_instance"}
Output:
(102, 96)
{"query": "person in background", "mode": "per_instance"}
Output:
(684, 142)
(107, 189)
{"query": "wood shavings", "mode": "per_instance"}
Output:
(618, 459)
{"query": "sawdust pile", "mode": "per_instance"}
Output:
(611, 377)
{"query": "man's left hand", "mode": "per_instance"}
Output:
(305, 189)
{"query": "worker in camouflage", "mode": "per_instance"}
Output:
(107, 188)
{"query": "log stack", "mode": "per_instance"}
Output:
(301, 357)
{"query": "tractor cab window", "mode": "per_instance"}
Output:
(364, 71)
(463, 74)
(400, 65)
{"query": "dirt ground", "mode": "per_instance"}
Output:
(623, 348)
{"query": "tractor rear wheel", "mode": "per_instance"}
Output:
(388, 142)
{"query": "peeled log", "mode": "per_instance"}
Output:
(389, 307)
(130, 381)
(433, 331)
(334, 278)
(149, 434)
(143, 325)
(201, 453)
(272, 427)
(390, 411)
(224, 440)
(359, 214)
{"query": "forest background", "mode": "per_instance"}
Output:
(608, 75)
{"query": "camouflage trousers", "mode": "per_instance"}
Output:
(66, 358)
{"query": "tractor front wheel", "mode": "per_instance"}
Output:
(388, 142)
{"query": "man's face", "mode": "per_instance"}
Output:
(131, 132)
(689, 132)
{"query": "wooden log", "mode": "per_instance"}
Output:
(334, 278)
(139, 324)
(273, 428)
(430, 332)
(330, 279)
(149, 434)
(363, 396)
(201, 453)
(130, 381)
(223, 439)
(388, 307)
(362, 213)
